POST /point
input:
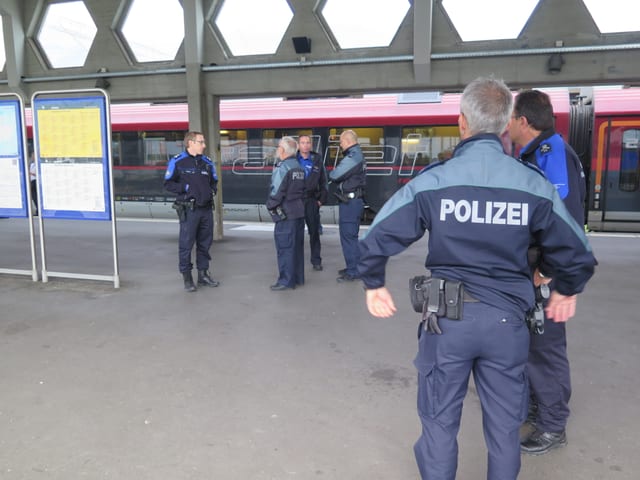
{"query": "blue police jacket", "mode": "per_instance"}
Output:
(287, 188)
(351, 172)
(192, 177)
(315, 177)
(483, 209)
(562, 167)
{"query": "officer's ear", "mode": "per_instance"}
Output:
(463, 125)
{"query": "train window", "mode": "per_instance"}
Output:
(370, 139)
(151, 149)
(629, 180)
(424, 145)
(233, 147)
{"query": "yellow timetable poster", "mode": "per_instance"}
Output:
(70, 133)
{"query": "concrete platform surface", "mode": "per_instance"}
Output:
(151, 382)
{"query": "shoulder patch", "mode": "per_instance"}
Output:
(545, 148)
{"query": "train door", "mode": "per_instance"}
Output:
(616, 173)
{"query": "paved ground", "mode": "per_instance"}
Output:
(150, 382)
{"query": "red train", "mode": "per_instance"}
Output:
(400, 134)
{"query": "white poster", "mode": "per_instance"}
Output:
(10, 192)
(73, 186)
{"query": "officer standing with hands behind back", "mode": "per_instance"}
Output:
(482, 209)
(285, 204)
(192, 177)
(351, 177)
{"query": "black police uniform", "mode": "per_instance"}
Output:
(315, 190)
(351, 177)
(286, 205)
(548, 367)
(194, 181)
(481, 208)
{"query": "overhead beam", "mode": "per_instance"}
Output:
(422, 31)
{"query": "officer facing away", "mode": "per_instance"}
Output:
(351, 177)
(192, 177)
(482, 208)
(285, 204)
(531, 127)
(315, 194)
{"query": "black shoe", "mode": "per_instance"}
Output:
(317, 268)
(276, 287)
(347, 278)
(342, 272)
(540, 443)
(205, 280)
(188, 282)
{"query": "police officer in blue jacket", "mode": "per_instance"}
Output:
(531, 127)
(350, 176)
(192, 177)
(285, 203)
(482, 209)
(315, 194)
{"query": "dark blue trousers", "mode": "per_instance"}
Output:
(493, 344)
(196, 229)
(549, 376)
(312, 219)
(349, 226)
(289, 239)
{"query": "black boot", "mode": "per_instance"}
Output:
(205, 280)
(188, 282)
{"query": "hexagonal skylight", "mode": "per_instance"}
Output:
(66, 34)
(489, 19)
(364, 23)
(614, 16)
(153, 29)
(253, 27)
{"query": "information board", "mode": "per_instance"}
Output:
(13, 193)
(70, 137)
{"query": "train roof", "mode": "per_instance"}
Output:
(366, 111)
(618, 101)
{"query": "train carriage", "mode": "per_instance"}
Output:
(400, 134)
(614, 186)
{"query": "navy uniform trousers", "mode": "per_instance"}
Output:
(493, 344)
(349, 225)
(549, 377)
(312, 219)
(198, 229)
(289, 239)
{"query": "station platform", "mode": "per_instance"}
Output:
(149, 382)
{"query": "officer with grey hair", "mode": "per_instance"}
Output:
(286, 206)
(482, 209)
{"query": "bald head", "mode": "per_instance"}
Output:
(348, 138)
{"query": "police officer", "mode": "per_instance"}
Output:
(192, 177)
(481, 208)
(315, 195)
(350, 176)
(531, 127)
(285, 203)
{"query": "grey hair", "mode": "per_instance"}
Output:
(486, 103)
(289, 146)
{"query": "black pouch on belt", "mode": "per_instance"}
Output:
(454, 299)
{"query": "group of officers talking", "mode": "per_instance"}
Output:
(486, 212)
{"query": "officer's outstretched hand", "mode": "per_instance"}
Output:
(380, 303)
(561, 307)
